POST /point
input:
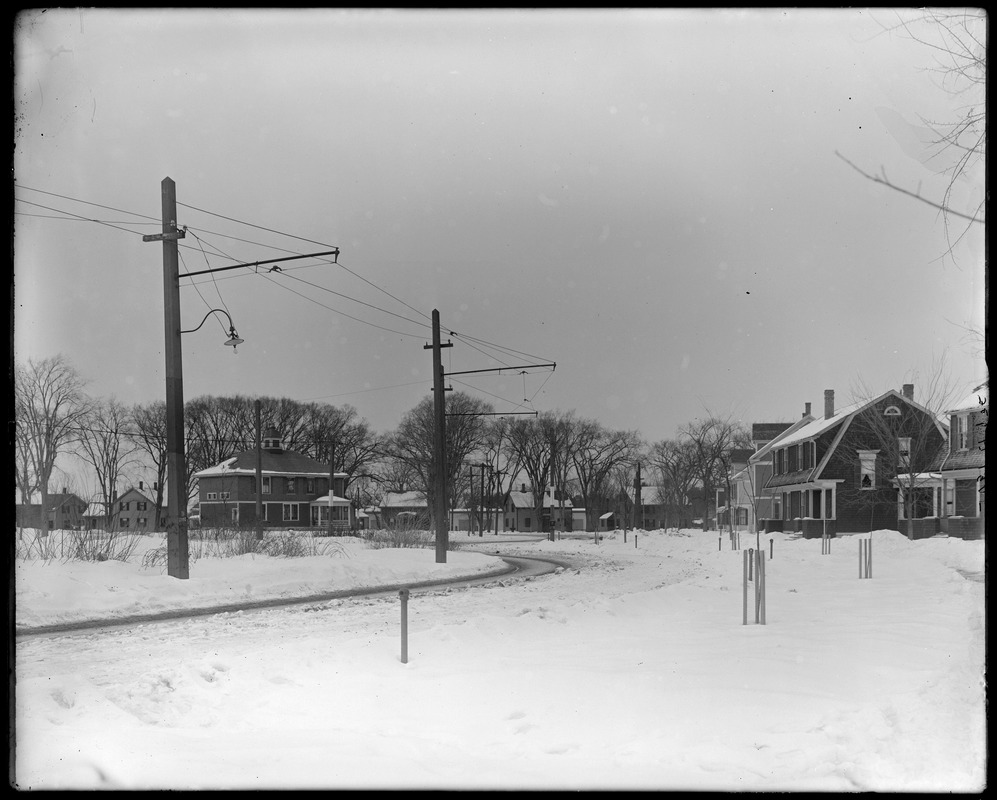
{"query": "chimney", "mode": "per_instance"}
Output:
(908, 391)
(522, 487)
(806, 412)
(155, 486)
(828, 403)
(140, 485)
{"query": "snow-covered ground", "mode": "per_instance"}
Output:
(633, 671)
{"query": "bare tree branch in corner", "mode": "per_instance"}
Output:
(957, 37)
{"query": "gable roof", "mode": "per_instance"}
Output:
(404, 500)
(780, 437)
(818, 426)
(525, 500)
(274, 462)
(132, 490)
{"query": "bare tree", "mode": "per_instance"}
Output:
(49, 407)
(105, 443)
(412, 442)
(675, 463)
(540, 446)
(712, 439)
(596, 454)
(955, 148)
(149, 424)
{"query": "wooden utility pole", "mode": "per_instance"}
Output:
(481, 512)
(177, 547)
(638, 516)
(259, 473)
(439, 444)
(332, 481)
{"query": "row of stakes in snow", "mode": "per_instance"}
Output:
(735, 542)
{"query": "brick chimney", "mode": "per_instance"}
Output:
(828, 403)
(908, 391)
(806, 412)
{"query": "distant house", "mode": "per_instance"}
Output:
(834, 474)
(728, 509)
(654, 507)
(293, 491)
(133, 511)
(64, 511)
(751, 503)
(519, 512)
(404, 510)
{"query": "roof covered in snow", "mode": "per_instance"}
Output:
(279, 462)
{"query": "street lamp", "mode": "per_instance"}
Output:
(233, 340)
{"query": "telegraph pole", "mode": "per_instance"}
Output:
(332, 480)
(481, 513)
(259, 473)
(638, 517)
(177, 547)
(439, 443)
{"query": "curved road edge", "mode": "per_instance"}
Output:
(513, 565)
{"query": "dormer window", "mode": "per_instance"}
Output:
(891, 411)
(271, 444)
(960, 430)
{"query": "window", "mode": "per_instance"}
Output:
(123, 522)
(235, 514)
(142, 522)
(123, 506)
(290, 485)
(311, 486)
(867, 469)
(212, 495)
(290, 512)
(527, 522)
(961, 427)
(141, 505)
(266, 485)
(891, 411)
(904, 449)
(223, 495)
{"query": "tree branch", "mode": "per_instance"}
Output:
(884, 182)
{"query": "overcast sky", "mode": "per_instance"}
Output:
(651, 199)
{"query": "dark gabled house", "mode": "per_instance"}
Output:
(293, 491)
(64, 512)
(838, 473)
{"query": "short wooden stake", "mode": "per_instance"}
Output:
(403, 594)
(771, 543)
(744, 592)
(865, 558)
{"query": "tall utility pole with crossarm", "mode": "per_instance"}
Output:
(177, 552)
(439, 443)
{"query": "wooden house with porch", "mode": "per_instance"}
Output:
(293, 490)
